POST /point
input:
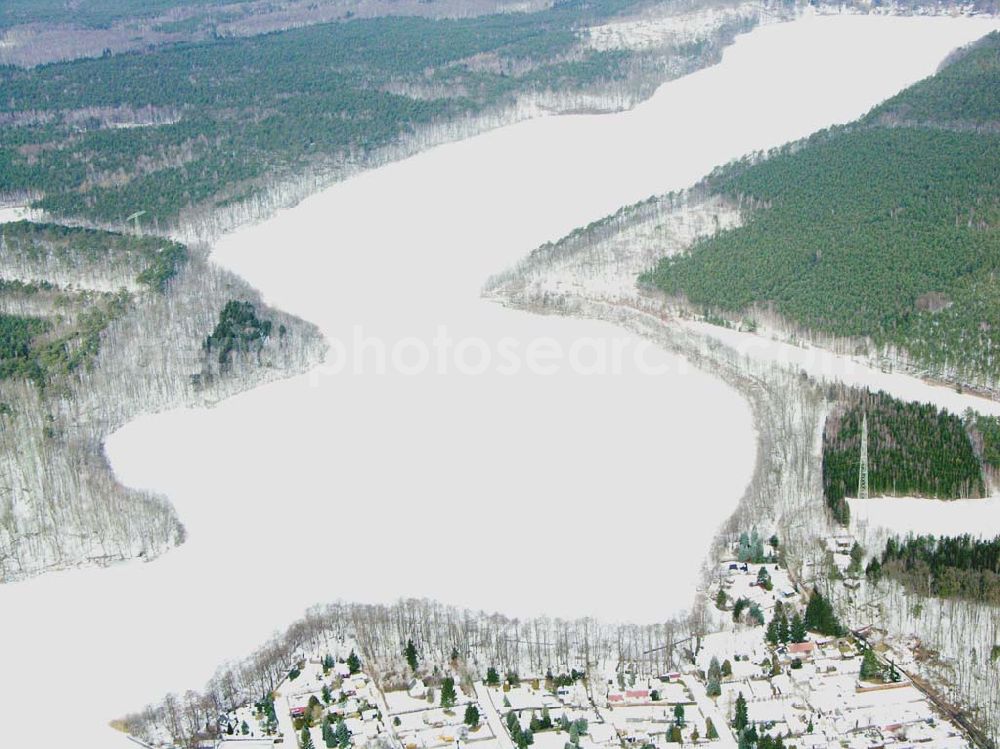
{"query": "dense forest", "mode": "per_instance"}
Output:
(914, 449)
(209, 123)
(985, 431)
(238, 330)
(91, 13)
(874, 230)
(948, 567)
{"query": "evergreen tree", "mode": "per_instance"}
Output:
(679, 715)
(305, 739)
(411, 655)
(448, 695)
(343, 735)
(710, 731)
(756, 547)
(714, 687)
(741, 717)
(727, 668)
(720, 600)
(492, 677)
(764, 578)
(743, 552)
(797, 629)
(714, 669)
(874, 570)
(857, 557)
(870, 667)
(353, 662)
(471, 715)
(329, 738)
(820, 617)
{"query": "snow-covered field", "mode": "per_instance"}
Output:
(979, 517)
(524, 492)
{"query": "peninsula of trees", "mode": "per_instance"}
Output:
(885, 230)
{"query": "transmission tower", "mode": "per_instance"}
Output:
(863, 463)
(135, 217)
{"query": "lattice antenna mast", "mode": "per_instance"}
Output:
(135, 217)
(863, 463)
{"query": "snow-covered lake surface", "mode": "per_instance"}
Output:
(563, 493)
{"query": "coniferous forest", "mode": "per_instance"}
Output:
(214, 122)
(885, 229)
(948, 567)
(914, 449)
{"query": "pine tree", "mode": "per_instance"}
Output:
(343, 735)
(714, 687)
(329, 738)
(870, 667)
(857, 557)
(771, 635)
(492, 677)
(353, 662)
(679, 715)
(820, 617)
(741, 717)
(797, 630)
(727, 668)
(305, 739)
(448, 695)
(471, 715)
(743, 554)
(411, 655)
(714, 670)
(783, 630)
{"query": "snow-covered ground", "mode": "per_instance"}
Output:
(827, 366)
(666, 25)
(453, 486)
(902, 515)
(18, 213)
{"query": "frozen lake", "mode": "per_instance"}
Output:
(493, 484)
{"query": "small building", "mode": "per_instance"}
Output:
(417, 690)
(801, 650)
